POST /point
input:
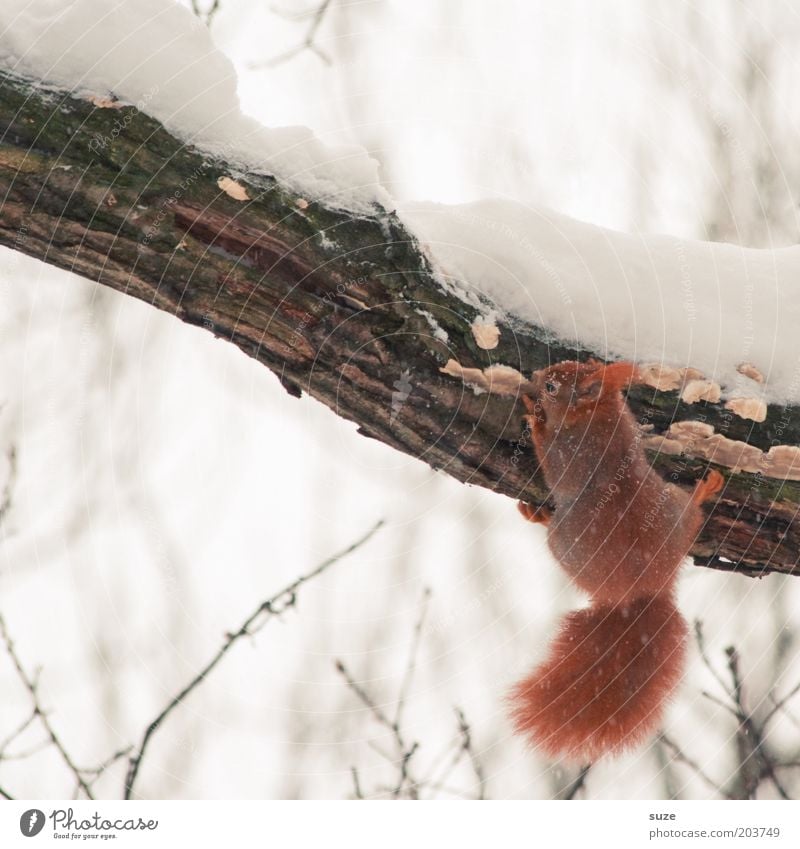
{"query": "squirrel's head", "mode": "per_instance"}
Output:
(566, 392)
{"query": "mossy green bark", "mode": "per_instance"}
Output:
(331, 302)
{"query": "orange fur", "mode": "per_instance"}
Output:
(537, 515)
(621, 533)
(603, 686)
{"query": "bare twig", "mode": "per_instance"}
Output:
(24, 754)
(369, 703)
(404, 750)
(31, 684)
(273, 606)
(357, 792)
(780, 703)
(666, 769)
(18, 731)
(408, 785)
(412, 657)
(572, 790)
(678, 755)
(437, 776)
(701, 645)
(756, 762)
(405, 780)
(98, 770)
(468, 749)
(719, 703)
(208, 16)
(308, 43)
(5, 502)
(6, 795)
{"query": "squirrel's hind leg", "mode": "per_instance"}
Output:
(538, 515)
(708, 487)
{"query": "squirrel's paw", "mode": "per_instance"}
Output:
(538, 515)
(708, 487)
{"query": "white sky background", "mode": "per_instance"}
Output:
(167, 483)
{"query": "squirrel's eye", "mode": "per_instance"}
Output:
(551, 388)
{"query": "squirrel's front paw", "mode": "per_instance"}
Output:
(539, 515)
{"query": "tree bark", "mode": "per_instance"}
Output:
(330, 301)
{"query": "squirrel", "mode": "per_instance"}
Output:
(620, 532)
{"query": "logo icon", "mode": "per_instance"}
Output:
(31, 822)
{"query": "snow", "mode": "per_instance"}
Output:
(158, 56)
(122, 418)
(647, 298)
(436, 329)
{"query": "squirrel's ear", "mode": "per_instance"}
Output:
(618, 375)
(608, 378)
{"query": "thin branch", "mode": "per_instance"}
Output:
(719, 703)
(756, 760)
(468, 748)
(308, 43)
(780, 703)
(666, 769)
(412, 657)
(98, 770)
(404, 777)
(8, 488)
(572, 790)
(701, 645)
(445, 763)
(6, 795)
(208, 16)
(16, 733)
(29, 752)
(369, 703)
(403, 751)
(357, 792)
(273, 606)
(679, 755)
(437, 776)
(31, 684)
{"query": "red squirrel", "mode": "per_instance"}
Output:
(621, 533)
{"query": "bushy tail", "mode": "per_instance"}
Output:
(604, 684)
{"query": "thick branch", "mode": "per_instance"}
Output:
(331, 302)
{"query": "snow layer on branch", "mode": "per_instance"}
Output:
(647, 298)
(158, 56)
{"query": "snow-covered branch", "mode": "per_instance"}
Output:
(341, 300)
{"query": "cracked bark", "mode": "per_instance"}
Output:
(108, 194)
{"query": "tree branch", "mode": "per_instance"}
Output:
(273, 606)
(333, 303)
(32, 685)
